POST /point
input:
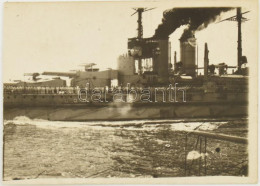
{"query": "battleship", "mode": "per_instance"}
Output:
(145, 85)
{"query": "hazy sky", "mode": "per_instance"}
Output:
(41, 37)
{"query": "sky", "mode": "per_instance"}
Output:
(60, 36)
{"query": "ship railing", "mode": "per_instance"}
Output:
(40, 90)
(205, 142)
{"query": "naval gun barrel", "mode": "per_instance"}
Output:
(65, 74)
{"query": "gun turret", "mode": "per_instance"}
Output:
(33, 75)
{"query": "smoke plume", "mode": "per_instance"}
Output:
(196, 19)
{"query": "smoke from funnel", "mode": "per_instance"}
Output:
(187, 33)
(196, 19)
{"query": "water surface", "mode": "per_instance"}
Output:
(146, 148)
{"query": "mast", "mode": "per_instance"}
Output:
(239, 39)
(239, 19)
(140, 34)
(197, 70)
(139, 21)
(139, 12)
(206, 61)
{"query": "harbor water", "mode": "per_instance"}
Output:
(35, 148)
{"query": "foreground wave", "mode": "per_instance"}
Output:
(183, 125)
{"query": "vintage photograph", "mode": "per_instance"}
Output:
(141, 90)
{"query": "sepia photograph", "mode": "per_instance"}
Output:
(151, 92)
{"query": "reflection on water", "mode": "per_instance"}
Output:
(40, 149)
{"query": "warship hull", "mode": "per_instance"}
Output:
(128, 111)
